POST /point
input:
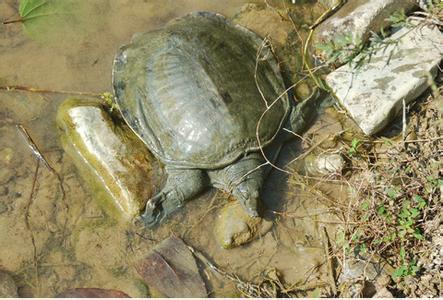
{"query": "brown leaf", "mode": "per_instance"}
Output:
(91, 293)
(171, 269)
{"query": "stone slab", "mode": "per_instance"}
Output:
(373, 94)
(358, 18)
(113, 162)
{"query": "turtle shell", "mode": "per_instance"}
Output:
(190, 91)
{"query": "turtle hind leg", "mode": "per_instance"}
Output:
(181, 185)
(244, 180)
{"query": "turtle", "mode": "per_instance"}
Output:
(194, 92)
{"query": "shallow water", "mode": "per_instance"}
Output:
(54, 235)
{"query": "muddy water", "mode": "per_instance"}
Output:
(54, 235)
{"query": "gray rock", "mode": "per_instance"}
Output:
(425, 4)
(8, 289)
(324, 164)
(234, 227)
(358, 18)
(374, 93)
(364, 277)
(113, 162)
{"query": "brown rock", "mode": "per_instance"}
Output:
(234, 227)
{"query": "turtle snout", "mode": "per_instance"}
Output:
(250, 202)
(252, 207)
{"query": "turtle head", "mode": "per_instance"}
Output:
(247, 183)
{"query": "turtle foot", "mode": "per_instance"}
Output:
(161, 206)
(250, 204)
(249, 197)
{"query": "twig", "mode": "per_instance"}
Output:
(19, 20)
(33, 147)
(257, 130)
(13, 88)
(208, 210)
(330, 269)
(314, 191)
(295, 216)
(247, 288)
(40, 158)
(326, 14)
(425, 140)
(312, 148)
(404, 121)
(28, 226)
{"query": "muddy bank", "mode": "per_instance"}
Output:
(58, 236)
(55, 237)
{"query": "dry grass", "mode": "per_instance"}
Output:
(395, 202)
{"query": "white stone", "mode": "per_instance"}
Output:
(358, 18)
(374, 93)
(113, 162)
(324, 164)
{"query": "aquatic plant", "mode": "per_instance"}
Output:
(42, 19)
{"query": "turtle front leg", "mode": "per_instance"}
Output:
(244, 180)
(304, 113)
(180, 186)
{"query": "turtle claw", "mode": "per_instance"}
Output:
(160, 206)
(154, 212)
(250, 205)
(249, 200)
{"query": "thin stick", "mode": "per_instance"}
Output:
(295, 216)
(28, 226)
(210, 208)
(404, 121)
(330, 270)
(306, 153)
(40, 158)
(425, 140)
(13, 88)
(326, 14)
(19, 20)
(251, 289)
(33, 147)
(257, 130)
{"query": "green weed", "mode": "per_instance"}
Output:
(355, 144)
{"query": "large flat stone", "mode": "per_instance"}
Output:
(113, 162)
(374, 93)
(358, 18)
